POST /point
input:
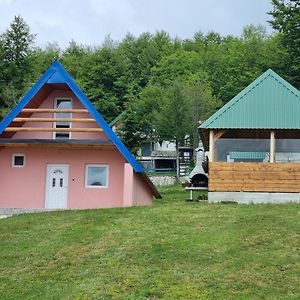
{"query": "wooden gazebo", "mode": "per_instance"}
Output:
(254, 144)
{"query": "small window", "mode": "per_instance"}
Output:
(18, 160)
(63, 104)
(96, 176)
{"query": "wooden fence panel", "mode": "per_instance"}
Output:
(254, 177)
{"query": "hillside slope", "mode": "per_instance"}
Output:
(172, 250)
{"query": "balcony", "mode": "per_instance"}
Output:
(163, 154)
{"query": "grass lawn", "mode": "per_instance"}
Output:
(172, 250)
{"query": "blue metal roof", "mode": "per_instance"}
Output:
(57, 74)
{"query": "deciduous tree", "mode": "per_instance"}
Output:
(172, 122)
(286, 19)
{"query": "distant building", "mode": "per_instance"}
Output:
(160, 157)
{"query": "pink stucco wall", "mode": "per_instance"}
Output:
(128, 191)
(25, 187)
(142, 195)
(136, 191)
(49, 103)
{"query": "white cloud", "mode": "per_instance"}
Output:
(6, 2)
(89, 21)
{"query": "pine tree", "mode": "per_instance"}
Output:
(16, 45)
(17, 41)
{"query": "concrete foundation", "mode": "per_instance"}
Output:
(252, 198)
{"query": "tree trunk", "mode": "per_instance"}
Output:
(177, 162)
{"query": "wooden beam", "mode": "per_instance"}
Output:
(272, 147)
(218, 134)
(81, 120)
(211, 146)
(44, 129)
(51, 110)
(61, 146)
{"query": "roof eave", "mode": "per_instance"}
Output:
(153, 188)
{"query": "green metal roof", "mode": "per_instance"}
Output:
(118, 118)
(269, 102)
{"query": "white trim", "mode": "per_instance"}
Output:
(47, 185)
(96, 186)
(13, 160)
(55, 106)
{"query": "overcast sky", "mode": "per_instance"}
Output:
(89, 21)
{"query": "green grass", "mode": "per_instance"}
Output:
(172, 250)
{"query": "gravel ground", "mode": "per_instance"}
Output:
(17, 211)
(4, 216)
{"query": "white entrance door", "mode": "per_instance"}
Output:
(57, 186)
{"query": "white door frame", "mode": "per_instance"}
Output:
(47, 183)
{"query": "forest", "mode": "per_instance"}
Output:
(167, 86)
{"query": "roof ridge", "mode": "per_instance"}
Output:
(236, 98)
(118, 118)
(285, 84)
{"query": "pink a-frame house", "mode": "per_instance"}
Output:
(56, 151)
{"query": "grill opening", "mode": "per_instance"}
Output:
(199, 180)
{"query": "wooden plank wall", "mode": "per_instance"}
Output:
(254, 177)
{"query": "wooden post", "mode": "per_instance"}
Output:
(272, 147)
(211, 146)
(177, 162)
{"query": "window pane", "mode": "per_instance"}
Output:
(62, 124)
(96, 176)
(63, 104)
(19, 160)
(242, 150)
(62, 136)
(287, 150)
